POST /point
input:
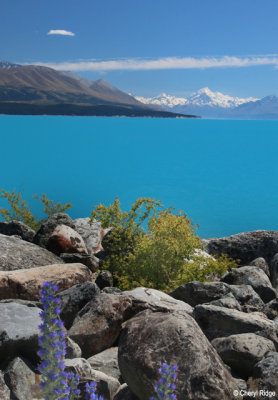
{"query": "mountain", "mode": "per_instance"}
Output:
(204, 102)
(33, 89)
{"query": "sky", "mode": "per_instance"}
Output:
(148, 47)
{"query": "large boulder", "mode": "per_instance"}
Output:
(228, 301)
(220, 321)
(98, 324)
(262, 264)
(241, 352)
(106, 362)
(19, 330)
(254, 277)
(92, 233)
(17, 228)
(74, 299)
(265, 377)
(42, 236)
(146, 298)
(245, 246)
(151, 338)
(90, 261)
(64, 239)
(16, 253)
(197, 292)
(249, 300)
(5, 393)
(26, 284)
(22, 381)
(104, 279)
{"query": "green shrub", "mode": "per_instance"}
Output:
(19, 210)
(163, 256)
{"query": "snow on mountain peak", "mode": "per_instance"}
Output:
(203, 97)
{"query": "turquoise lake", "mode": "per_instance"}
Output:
(223, 174)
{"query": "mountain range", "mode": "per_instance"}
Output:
(34, 89)
(209, 104)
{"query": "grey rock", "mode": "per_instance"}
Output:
(228, 301)
(42, 236)
(17, 228)
(219, 322)
(262, 264)
(271, 309)
(22, 381)
(107, 386)
(146, 298)
(124, 393)
(254, 277)
(106, 362)
(28, 303)
(19, 330)
(16, 253)
(245, 246)
(104, 279)
(74, 299)
(90, 261)
(197, 292)
(91, 233)
(111, 290)
(249, 300)
(98, 324)
(241, 352)
(265, 375)
(72, 349)
(5, 393)
(274, 271)
(176, 339)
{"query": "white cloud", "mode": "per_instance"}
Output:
(166, 63)
(60, 32)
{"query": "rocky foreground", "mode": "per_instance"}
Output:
(223, 335)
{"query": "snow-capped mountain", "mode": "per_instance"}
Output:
(201, 98)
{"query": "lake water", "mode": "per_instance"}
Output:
(223, 174)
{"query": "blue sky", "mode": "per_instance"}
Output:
(150, 46)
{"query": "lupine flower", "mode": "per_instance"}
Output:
(55, 382)
(165, 386)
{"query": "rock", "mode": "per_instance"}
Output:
(74, 299)
(104, 279)
(4, 390)
(28, 303)
(22, 381)
(219, 322)
(19, 330)
(176, 339)
(254, 277)
(228, 301)
(46, 229)
(26, 284)
(106, 362)
(107, 386)
(271, 309)
(91, 233)
(262, 264)
(72, 349)
(65, 240)
(124, 393)
(274, 271)
(91, 262)
(197, 292)
(245, 246)
(17, 228)
(111, 290)
(241, 352)
(16, 253)
(146, 298)
(265, 376)
(98, 325)
(247, 297)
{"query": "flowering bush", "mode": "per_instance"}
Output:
(165, 386)
(58, 384)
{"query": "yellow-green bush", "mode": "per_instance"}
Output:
(162, 256)
(19, 210)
